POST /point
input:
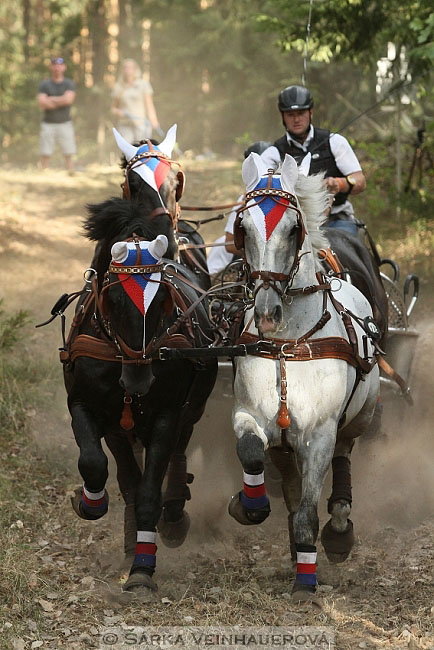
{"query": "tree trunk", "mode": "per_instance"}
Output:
(99, 38)
(26, 27)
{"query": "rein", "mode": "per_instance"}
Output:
(209, 208)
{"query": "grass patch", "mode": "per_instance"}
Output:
(22, 480)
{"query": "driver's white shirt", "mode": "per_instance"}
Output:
(343, 154)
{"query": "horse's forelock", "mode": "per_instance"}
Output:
(313, 198)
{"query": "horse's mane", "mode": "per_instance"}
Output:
(116, 218)
(313, 198)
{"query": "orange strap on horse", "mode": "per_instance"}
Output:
(330, 258)
(387, 368)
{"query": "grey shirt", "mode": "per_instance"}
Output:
(53, 89)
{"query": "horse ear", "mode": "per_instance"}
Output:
(305, 165)
(120, 251)
(169, 141)
(253, 168)
(289, 173)
(158, 246)
(127, 149)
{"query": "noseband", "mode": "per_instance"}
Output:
(288, 200)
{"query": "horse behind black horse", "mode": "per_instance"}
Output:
(112, 372)
(363, 270)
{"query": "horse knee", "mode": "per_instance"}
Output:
(250, 450)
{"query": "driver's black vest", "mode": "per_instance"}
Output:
(322, 157)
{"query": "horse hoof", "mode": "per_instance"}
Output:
(76, 505)
(337, 546)
(244, 516)
(173, 533)
(305, 597)
(141, 583)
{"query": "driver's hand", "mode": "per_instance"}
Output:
(332, 184)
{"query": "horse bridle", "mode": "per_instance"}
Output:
(270, 278)
(176, 299)
(141, 159)
(133, 356)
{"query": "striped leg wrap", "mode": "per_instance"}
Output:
(253, 495)
(306, 567)
(146, 548)
(93, 503)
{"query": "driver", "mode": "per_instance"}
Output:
(331, 153)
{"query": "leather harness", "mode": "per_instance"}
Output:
(171, 344)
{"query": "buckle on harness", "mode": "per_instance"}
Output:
(161, 354)
(287, 354)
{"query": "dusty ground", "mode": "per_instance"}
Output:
(382, 597)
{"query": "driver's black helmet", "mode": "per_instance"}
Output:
(295, 98)
(257, 147)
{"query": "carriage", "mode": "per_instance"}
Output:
(402, 335)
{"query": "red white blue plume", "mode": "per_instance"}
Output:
(267, 212)
(140, 287)
(154, 170)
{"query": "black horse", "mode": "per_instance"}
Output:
(115, 393)
(361, 264)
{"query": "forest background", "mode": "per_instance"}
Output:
(217, 66)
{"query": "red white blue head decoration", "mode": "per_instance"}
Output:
(267, 212)
(152, 170)
(140, 287)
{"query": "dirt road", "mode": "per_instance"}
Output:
(382, 597)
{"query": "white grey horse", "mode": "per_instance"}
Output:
(302, 329)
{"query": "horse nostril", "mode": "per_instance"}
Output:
(267, 321)
(257, 318)
(276, 314)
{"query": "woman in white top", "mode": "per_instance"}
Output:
(133, 105)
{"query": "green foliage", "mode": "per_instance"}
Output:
(24, 52)
(356, 30)
(216, 66)
(11, 327)
(377, 206)
(12, 401)
(219, 76)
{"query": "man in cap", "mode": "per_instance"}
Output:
(55, 97)
(331, 153)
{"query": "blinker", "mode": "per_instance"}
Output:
(371, 328)
(61, 304)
